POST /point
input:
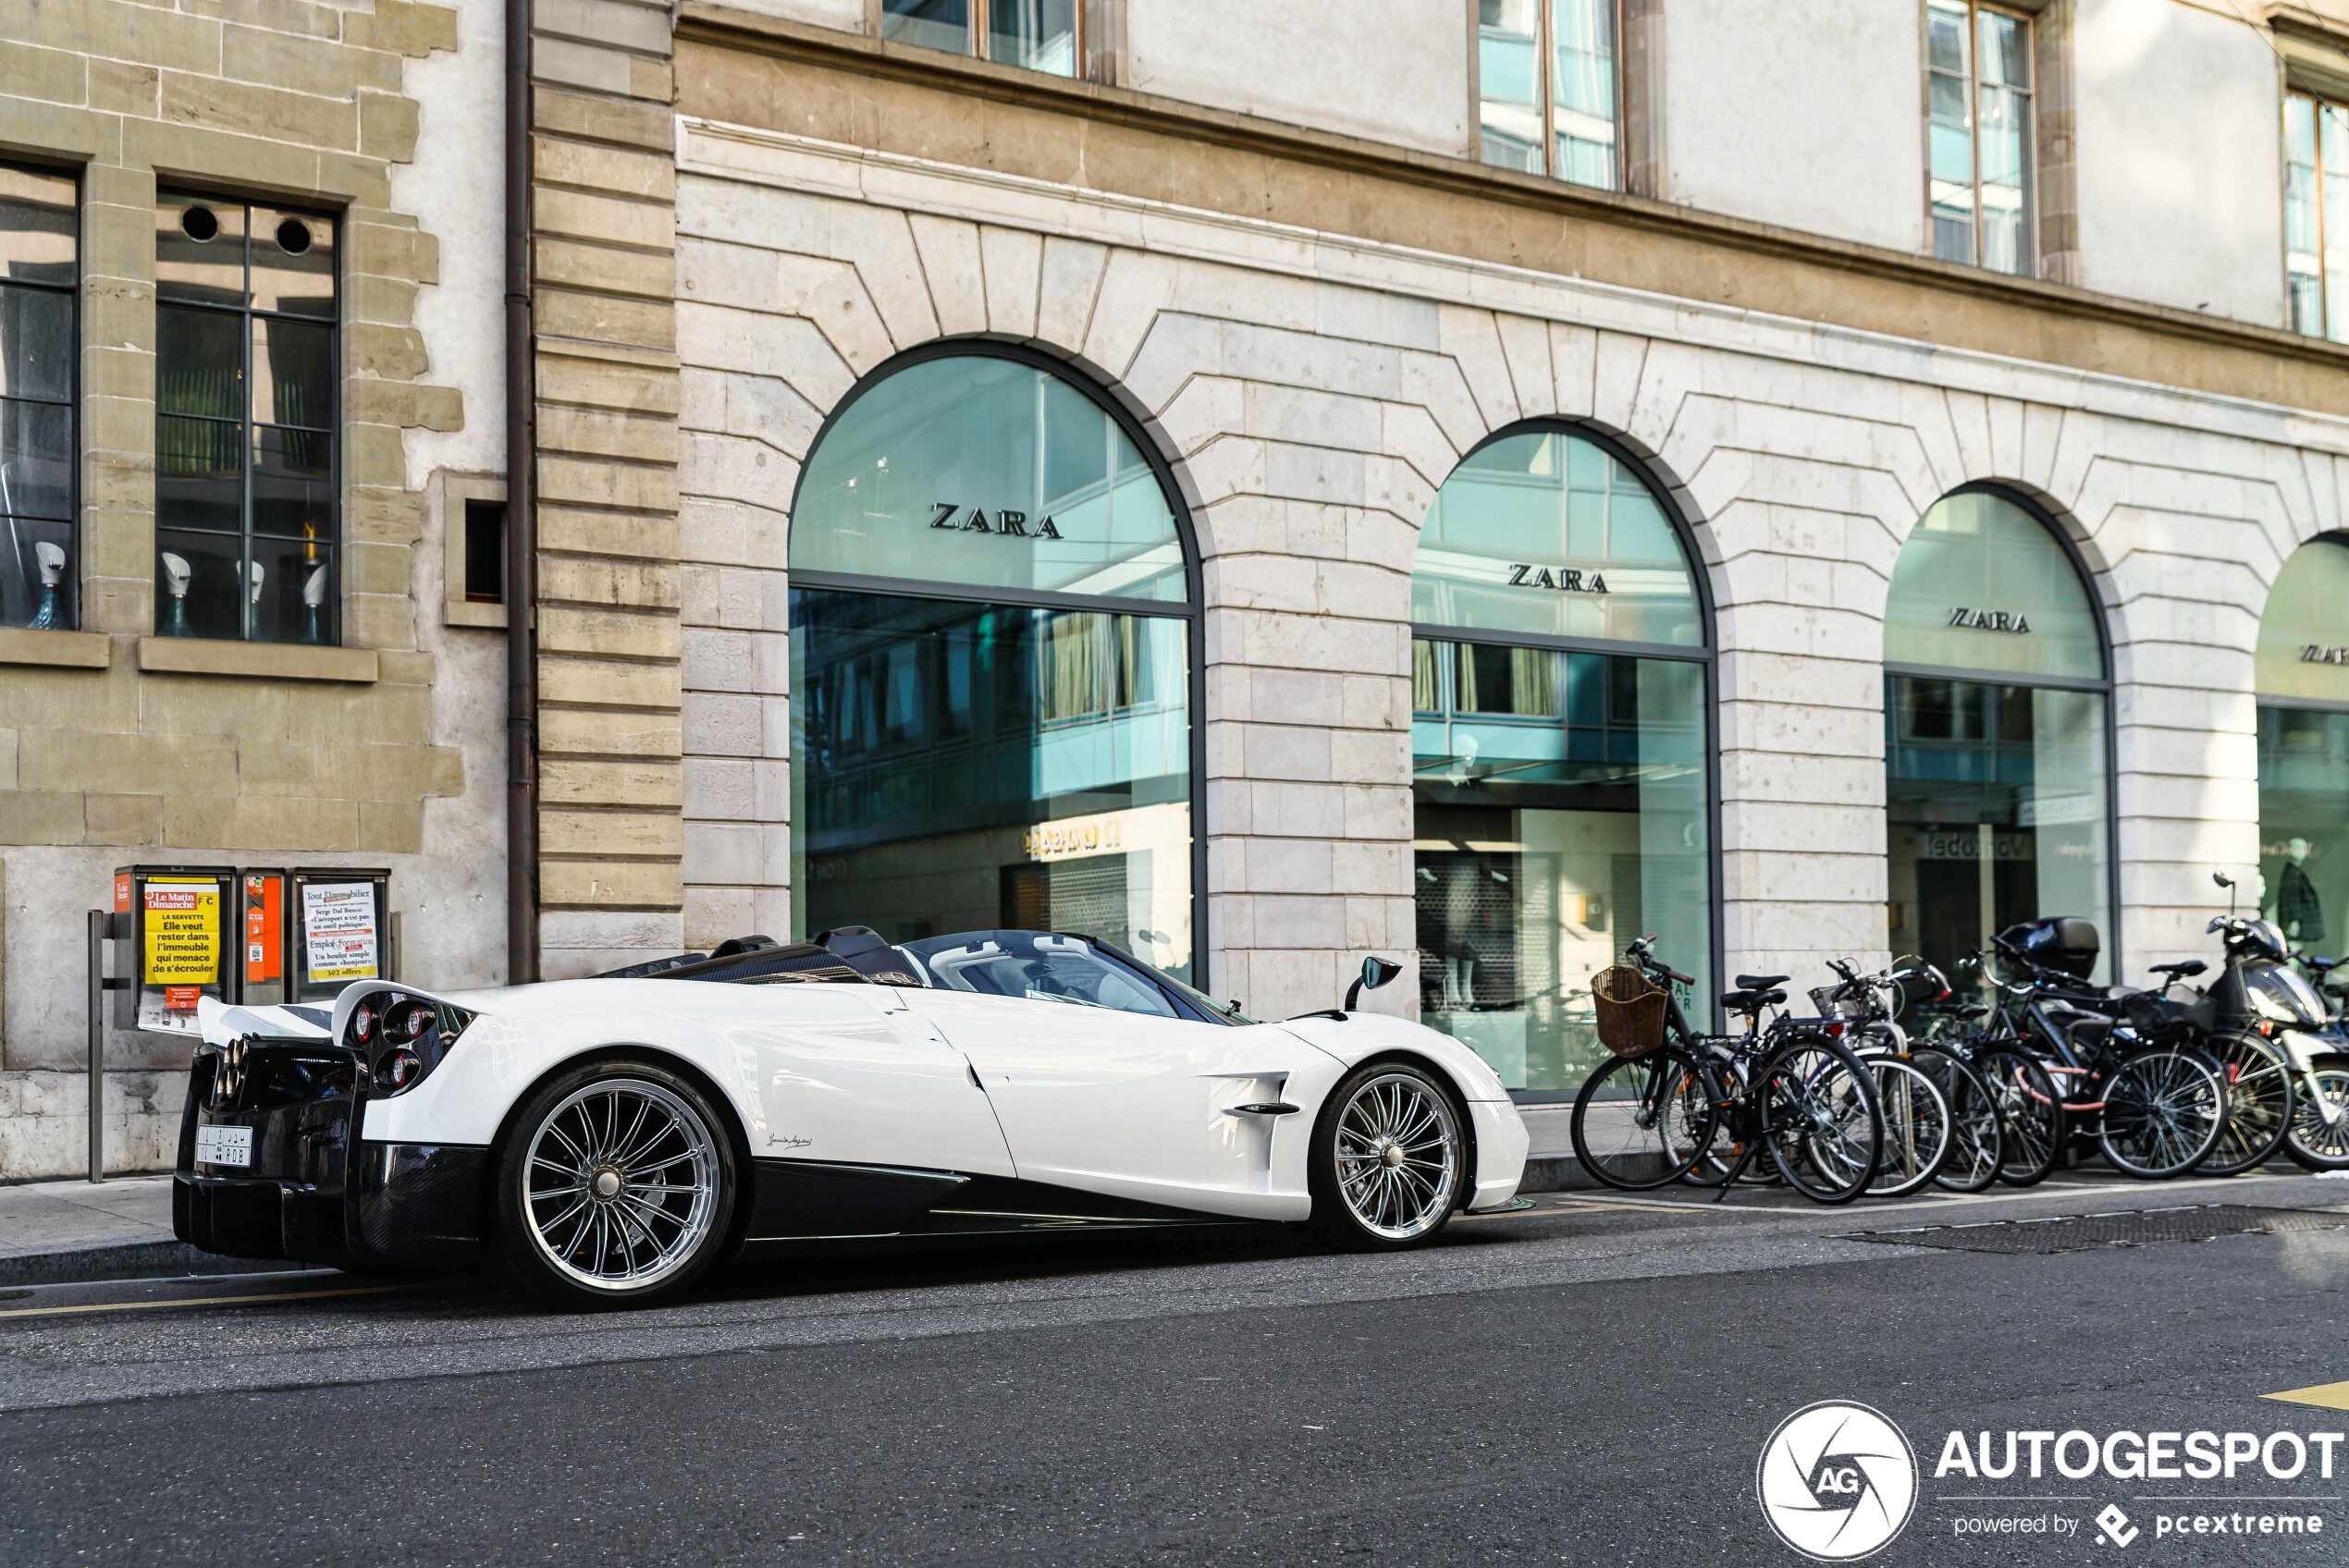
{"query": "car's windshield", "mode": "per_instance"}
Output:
(1035, 965)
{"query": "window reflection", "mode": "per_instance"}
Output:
(1036, 35)
(1978, 135)
(2315, 211)
(41, 567)
(1561, 810)
(246, 384)
(965, 766)
(1558, 118)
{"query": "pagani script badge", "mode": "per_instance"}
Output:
(1989, 621)
(1562, 580)
(1010, 524)
(2316, 652)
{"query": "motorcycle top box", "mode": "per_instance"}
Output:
(2063, 943)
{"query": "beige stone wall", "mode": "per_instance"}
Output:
(117, 746)
(1313, 391)
(610, 777)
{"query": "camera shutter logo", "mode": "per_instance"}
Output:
(1837, 1482)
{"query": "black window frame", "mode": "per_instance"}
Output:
(246, 313)
(71, 602)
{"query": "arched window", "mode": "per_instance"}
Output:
(1561, 747)
(994, 670)
(2302, 673)
(1997, 734)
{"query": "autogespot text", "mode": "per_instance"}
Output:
(2139, 1456)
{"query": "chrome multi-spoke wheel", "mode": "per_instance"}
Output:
(616, 1184)
(1388, 1158)
(622, 1183)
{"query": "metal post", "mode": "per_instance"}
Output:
(97, 1046)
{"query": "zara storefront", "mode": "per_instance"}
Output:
(1257, 599)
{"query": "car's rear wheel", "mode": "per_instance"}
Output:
(1388, 1159)
(615, 1185)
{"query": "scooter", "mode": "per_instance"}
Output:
(2260, 992)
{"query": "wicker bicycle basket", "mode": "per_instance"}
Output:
(1631, 1011)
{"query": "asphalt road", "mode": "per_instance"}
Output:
(1591, 1381)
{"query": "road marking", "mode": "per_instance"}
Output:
(206, 1300)
(2330, 1396)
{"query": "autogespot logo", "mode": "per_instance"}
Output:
(1837, 1482)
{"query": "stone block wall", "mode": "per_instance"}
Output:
(117, 746)
(611, 782)
(1313, 392)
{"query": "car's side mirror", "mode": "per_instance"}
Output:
(1376, 971)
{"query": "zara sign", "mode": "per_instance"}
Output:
(1008, 523)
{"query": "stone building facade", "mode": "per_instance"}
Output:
(380, 747)
(1314, 329)
(1291, 311)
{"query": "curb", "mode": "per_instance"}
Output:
(125, 1260)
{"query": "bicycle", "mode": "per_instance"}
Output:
(1650, 1114)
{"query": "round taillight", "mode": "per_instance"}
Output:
(399, 1067)
(409, 1021)
(363, 1022)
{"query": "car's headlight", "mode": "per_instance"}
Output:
(402, 1037)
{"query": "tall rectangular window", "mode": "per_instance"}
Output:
(38, 272)
(2316, 215)
(1978, 135)
(1547, 87)
(1036, 35)
(246, 381)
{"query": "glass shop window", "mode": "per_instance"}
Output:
(246, 386)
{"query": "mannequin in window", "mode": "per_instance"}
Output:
(2298, 909)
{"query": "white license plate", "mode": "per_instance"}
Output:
(223, 1145)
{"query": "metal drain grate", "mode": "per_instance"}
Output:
(2128, 1228)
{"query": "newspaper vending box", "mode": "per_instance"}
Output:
(178, 927)
(338, 930)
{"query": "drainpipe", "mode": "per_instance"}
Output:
(522, 532)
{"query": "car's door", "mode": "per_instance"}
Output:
(1134, 1105)
(848, 1073)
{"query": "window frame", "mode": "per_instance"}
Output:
(1545, 93)
(246, 313)
(71, 290)
(977, 32)
(2027, 244)
(1704, 656)
(2326, 309)
(2104, 687)
(1190, 611)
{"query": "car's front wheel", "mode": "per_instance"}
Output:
(615, 1185)
(1387, 1160)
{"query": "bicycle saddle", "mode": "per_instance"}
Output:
(1761, 981)
(2178, 970)
(2322, 965)
(1751, 1000)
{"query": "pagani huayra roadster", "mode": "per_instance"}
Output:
(607, 1140)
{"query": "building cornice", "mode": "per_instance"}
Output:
(1365, 190)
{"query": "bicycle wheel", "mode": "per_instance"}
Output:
(2031, 1109)
(1819, 1119)
(1643, 1121)
(2164, 1112)
(1978, 1132)
(1917, 1135)
(2321, 1121)
(2259, 1103)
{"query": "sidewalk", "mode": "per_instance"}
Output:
(117, 1229)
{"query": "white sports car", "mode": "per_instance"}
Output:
(607, 1140)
